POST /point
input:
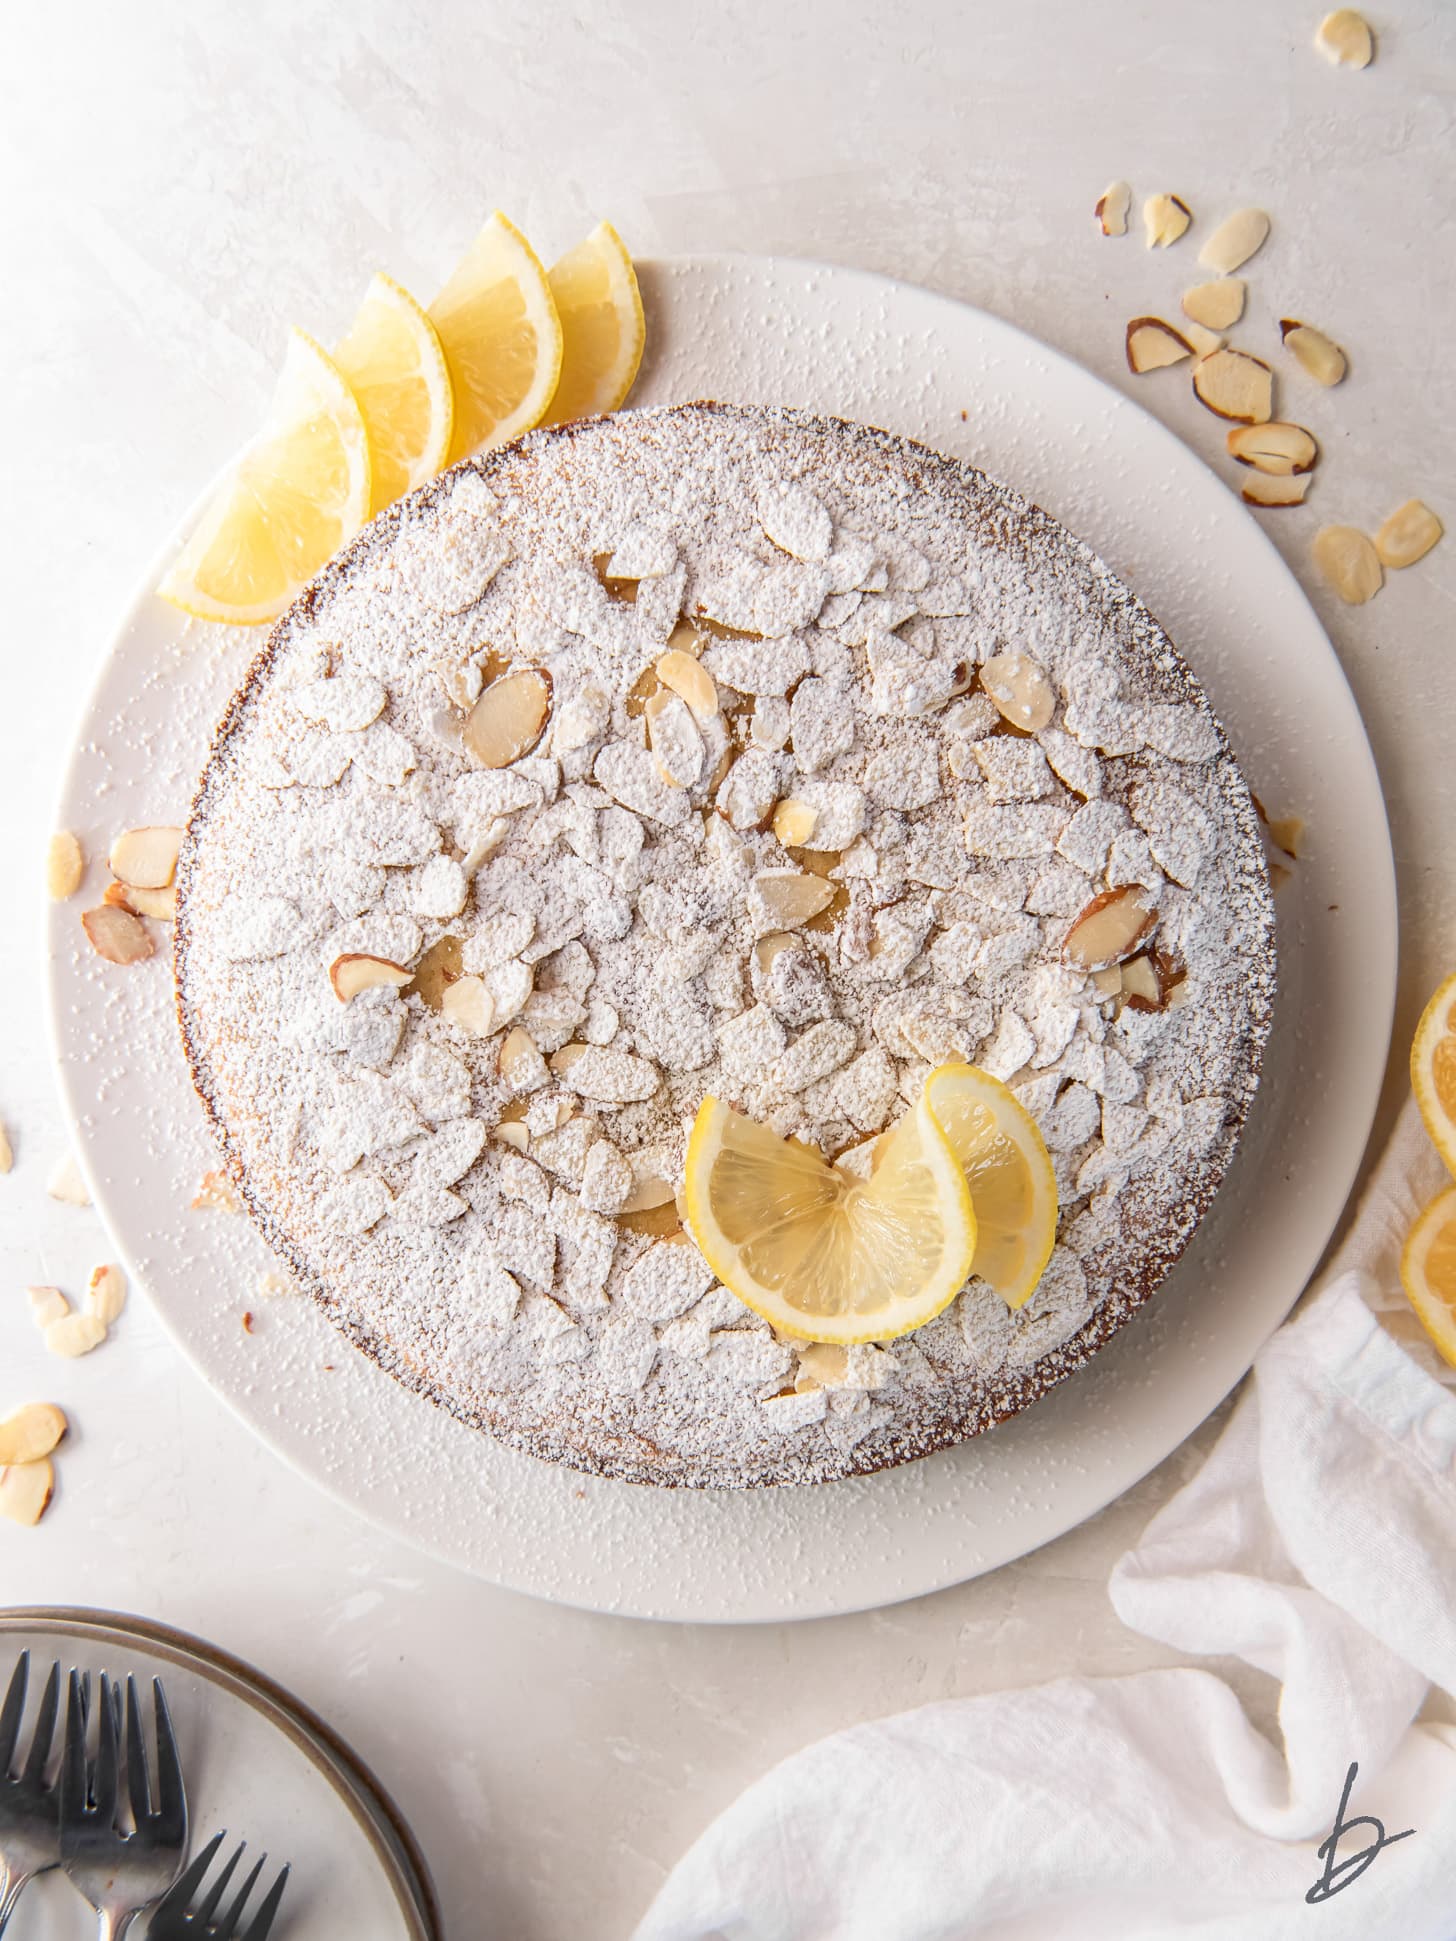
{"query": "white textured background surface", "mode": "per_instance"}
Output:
(182, 182)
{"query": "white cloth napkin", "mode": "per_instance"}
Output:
(1318, 1544)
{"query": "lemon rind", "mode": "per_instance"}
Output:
(1434, 1315)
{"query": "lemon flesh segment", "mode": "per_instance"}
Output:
(497, 321)
(299, 492)
(819, 1254)
(1433, 1070)
(603, 329)
(1009, 1173)
(395, 365)
(1428, 1271)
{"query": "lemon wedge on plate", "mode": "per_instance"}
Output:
(299, 492)
(497, 321)
(1008, 1171)
(1433, 1070)
(395, 366)
(817, 1252)
(1428, 1271)
(600, 306)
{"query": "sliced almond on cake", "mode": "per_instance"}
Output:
(1020, 690)
(1152, 345)
(1234, 385)
(509, 718)
(1319, 354)
(1110, 928)
(357, 971)
(793, 822)
(1142, 988)
(1276, 447)
(468, 1003)
(145, 858)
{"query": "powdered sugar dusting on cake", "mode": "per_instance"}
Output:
(632, 933)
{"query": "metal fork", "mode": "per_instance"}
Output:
(171, 1920)
(120, 1872)
(30, 1826)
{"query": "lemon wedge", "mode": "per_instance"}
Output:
(600, 306)
(1008, 1171)
(299, 492)
(1433, 1070)
(395, 366)
(497, 321)
(821, 1254)
(1428, 1271)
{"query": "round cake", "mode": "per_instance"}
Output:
(692, 751)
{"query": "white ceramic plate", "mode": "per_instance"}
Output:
(256, 1764)
(764, 331)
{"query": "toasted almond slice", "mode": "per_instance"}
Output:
(1108, 983)
(1234, 385)
(689, 678)
(1349, 562)
(161, 904)
(1269, 490)
(25, 1490)
(1408, 534)
(468, 1003)
(1320, 355)
(563, 1060)
(508, 719)
(75, 1334)
(793, 822)
(1286, 833)
(1112, 207)
(1153, 344)
(1142, 988)
(65, 866)
(1217, 305)
(1110, 928)
(781, 899)
(145, 858)
(512, 1133)
(1165, 217)
(116, 935)
(522, 1068)
(1344, 38)
(1237, 238)
(1020, 690)
(674, 738)
(65, 1183)
(47, 1304)
(1277, 447)
(106, 1293)
(32, 1432)
(1204, 342)
(357, 971)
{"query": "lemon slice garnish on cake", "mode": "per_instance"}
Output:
(496, 318)
(299, 492)
(1433, 1070)
(1008, 1171)
(1428, 1271)
(600, 306)
(821, 1254)
(395, 365)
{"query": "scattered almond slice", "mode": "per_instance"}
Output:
(1231, 384)
(1320, 355)
(1112, 207)
(47, 1304)
(690, 679)
(66, 1184)
(1286, 833)
(29, 1434)
(1349, 562)
(1276, 447)
(357, 971)
(508, 719)
(106, 1293)
(1204, 342)
(1408, 534)
(1110, 928)
(1142, 988)
(1217, 305)
(1165, 217)
(216, 1194)
(1237, 238)
(161, 904)
(116, 935)
(7, 1153)
(65, 866)
(25, 1490)
(75, 1334)
(1269, 489)
(1152, 345)
(145, 858)
(468, 1003)
(793, 823)
(1344, 39)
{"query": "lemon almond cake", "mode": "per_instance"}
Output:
(711, 753)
